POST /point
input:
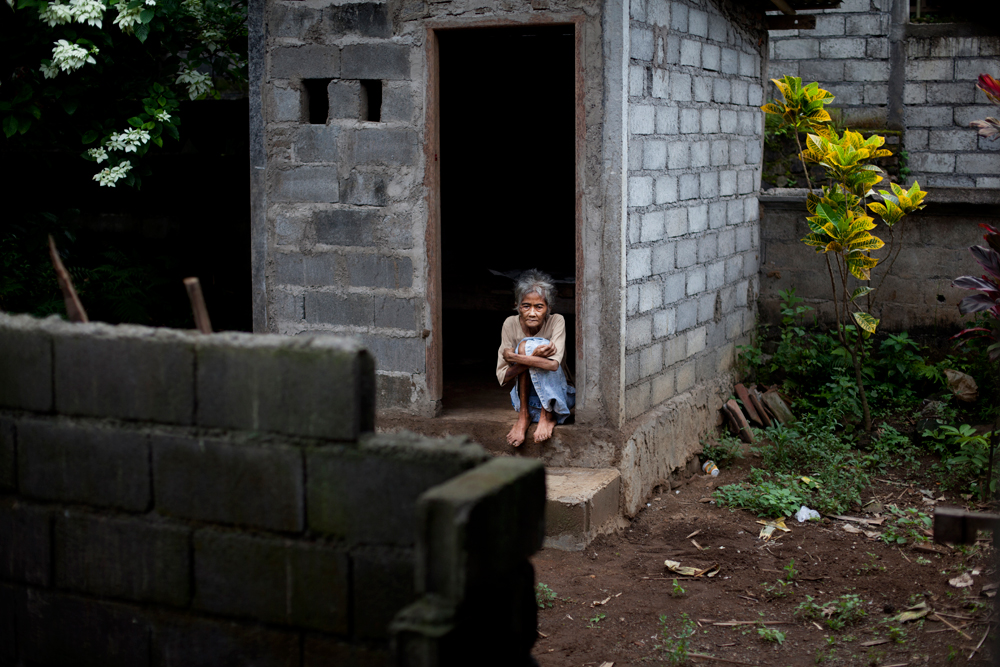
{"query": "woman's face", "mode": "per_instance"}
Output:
(533, 310)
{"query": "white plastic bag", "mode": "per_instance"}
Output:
(805, 514)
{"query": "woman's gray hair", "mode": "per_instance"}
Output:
(535, 281)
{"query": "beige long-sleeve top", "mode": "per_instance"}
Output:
(553, 328)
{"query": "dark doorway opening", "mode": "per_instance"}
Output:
(507, 110)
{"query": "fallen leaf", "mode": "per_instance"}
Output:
(848, 528)
(874, 642)
(598, 603)
(693, 534)
(914, 612)
(961, 581)
(607, 664)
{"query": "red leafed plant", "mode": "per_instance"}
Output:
(989, 128)
(988, 286)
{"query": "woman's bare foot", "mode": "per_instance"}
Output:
(516, 435)
(546, 424)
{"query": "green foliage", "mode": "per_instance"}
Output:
(544, 595)
(725, 451)
(837, 614)
(904, 525)
(838, 222)
(771, 634)
(676, 591)
(965, 457)
(790, 571)
(139, 59)
(676, 646)
(116, 283)
(595, 620)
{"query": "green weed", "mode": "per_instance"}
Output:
(771, 634)
(837, 614)
(675, 646)
(544, 595)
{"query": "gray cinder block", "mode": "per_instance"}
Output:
(306, 184)
(492, 516)
(383, 146)
(276, 581)
(8, 458)
(385, 579)
(368, 19)
(128, 372)
(242, 484)
(25, 364)
(345, 99)
(186, 641)
(346, 227)
(312, 61)
(344, 309)
(376, 61)
(363, 188)
(25, 548)
(123, 558)
(368, 495)
(82, 463)
(379, 271)
(90, 633)
(316, 143)
(315, 386)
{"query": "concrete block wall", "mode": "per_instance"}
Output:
(917, 294)
(941, 98)
(694, 160)
(847, 52)
(850, 53)
(168, 498)
(341, 189)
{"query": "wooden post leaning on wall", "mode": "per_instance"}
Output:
(201, 321)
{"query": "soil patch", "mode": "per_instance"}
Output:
(610, 598)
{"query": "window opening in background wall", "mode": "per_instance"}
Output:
(507, 114)
(371, 100)
(317, 104)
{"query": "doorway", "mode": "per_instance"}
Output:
(507, 114)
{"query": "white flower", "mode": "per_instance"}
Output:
(70, 57)
(88, 11)
(110, 175)
(98, 154)
(56, 13)
(115, 142)
(198, 83)
(162, 115)
(49, 69)
(127, 17)
(150, 3)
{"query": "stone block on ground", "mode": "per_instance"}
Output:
(581, 503)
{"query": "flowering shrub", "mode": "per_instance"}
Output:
(78, 71)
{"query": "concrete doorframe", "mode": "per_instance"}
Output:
(432, 186)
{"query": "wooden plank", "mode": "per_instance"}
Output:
(201, 320)
(797, 22)
(74, 308)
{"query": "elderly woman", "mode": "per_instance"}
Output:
(532, 344)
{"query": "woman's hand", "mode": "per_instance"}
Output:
(510, 355)
(547, 350)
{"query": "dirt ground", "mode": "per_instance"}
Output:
(609, 598)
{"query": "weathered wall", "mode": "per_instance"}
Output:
(886, 72)
(346, 227)
(917, 294)
(695, 141)
(174, 499)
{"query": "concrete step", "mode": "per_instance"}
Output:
(581, 503)
(572, 445)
